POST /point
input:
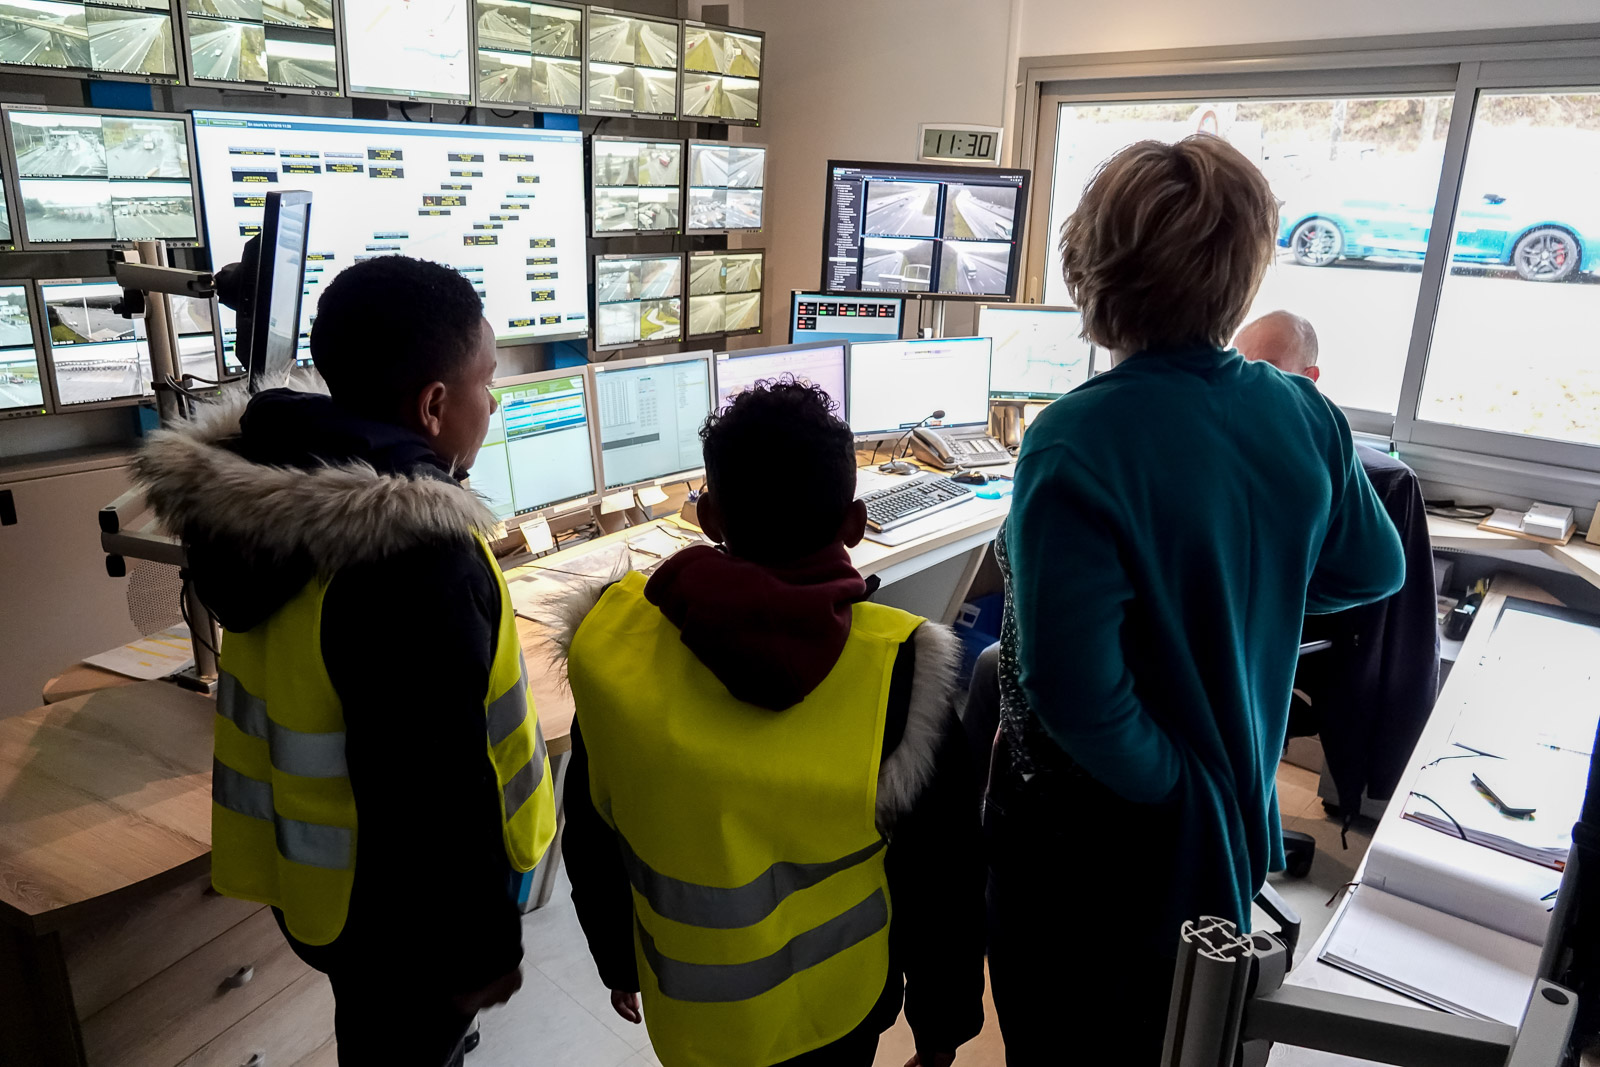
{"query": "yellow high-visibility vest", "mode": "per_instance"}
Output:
(760, 900)
(284, 821)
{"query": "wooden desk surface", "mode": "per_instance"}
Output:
(1577, 555)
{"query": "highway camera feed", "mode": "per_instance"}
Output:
(636, 41)
(149, 211)
(979, 212)
(43, 34)
(632, 89)
(95, 351)
(228, 51)
(896, 265)
(19, 365)
(58, 145)
(303, 64)
(721, 52)
(5, 220)
(902, 209)
(637, 300)
(130, 42)
(974, 267)
(716, 96)
(312, 14)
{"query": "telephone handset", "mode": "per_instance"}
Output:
(931, 447)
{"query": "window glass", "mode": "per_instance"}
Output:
(1514, 344)
(1356, 180)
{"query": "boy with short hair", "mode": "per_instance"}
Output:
(764, 765)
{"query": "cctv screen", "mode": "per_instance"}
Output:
(92, 179)
(650, 418)
(502, 205)
(638, 300)
(903, 228)
(96, 355)
(132, 37)
(894, 385)
(819, 317)
(721, 69)
(725, 292)
(276, 44)
(537, 452)
(1038, 354)
(530, 55)
(21, 391)
(633, 64)
(638, 186)
(727, 187)
(413, 49)
(820, 365)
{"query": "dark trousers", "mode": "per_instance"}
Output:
(858, 1048)
(375, 1020)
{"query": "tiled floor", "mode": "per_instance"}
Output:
(563, 1015)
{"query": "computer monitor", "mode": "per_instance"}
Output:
(820, 317)
(727, 187)
(285, 46)
(633, 64)
(530, 55)
(1038, 354)
(649, 412)
(503, 205)
(895, 385)
(638, 186)
(725, 292)
(92, 178)
(408, 49)
(923, 228)
(21, 383)
(538, 455)
(279, 288)
(821, 363)
(638, 300)
(129, 41)
(722, 74)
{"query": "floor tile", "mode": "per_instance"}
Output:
(543, 1026)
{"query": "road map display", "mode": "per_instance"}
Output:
(21, 390)
(633, 64)
(530, 55)
(409, 49)
(721, 69)
(93, 178)
(727, 187)
(281, 44)
(638, 300)
(638, 185)
(725, 292)
(132, 39)
(503, 205)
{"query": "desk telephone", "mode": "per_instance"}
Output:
(947, 451)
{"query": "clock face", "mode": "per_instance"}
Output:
(945, 143)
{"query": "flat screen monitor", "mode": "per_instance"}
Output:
(93, 179)
(722, 74)
(821, 364)
(408, 49)
(919, 228)
(1038, 354)
(638, 300)
(285, 46)
(7, 240)
(279, 288)
(725, 292)
(633, 64)
(727, 187)
(638, 186)
(21, 384)
(538, 455)
(530, 55)
(820, 317)
(649, 412)
(502, 205)
(894, 385)
(118, 39)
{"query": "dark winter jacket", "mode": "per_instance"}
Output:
(269, 495)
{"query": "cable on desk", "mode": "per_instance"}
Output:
(1441, 807)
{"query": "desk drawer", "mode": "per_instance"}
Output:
(175, 1013)
(108, 957)
(293, 1029)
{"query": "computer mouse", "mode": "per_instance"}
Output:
(970, 478)
(899, 466)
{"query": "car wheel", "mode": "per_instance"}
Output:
(1316, 243)
(1547, 254)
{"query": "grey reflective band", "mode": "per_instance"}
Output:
(318, 755)
(241, 707)
(302, 842)
(508, 711)
(240, 793)
(724, 983)
(729, 909)
(526, 781)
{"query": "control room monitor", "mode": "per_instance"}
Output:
(1038, 354)
(638, 300)
(727, 187)
(280, 283)
(894, 385)
(638, 186)
(538, 454)
(821, 364)
(649, 412)
(21, 383)
(820, 317)
(408, 49)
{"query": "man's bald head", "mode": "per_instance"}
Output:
(1282, 339)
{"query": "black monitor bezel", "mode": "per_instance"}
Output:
(266, 272)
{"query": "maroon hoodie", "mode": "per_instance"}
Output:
(770, 634)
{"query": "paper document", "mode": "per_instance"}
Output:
(1537, 683)
(149, 658)
(1445, 798)
(1441, 960)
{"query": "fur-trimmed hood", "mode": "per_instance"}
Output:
(270, 490)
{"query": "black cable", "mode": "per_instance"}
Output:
(183, 611)
(1435, 803)
(502, 114)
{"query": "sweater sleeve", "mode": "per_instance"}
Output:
(1060, 536)
(1361, 560)
(600, 892)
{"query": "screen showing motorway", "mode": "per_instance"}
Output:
(908, 228)
(132, 39)
(97, 355)
(638, 186)
(633, 64)
(725, 292)
(721, 72)
(638, 300)
(530, 55)
(283, 45)
(727, 187)
(21, 390)
(91, 178)
(409, 49)
(503, 205)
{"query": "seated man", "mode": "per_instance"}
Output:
(1282, 339)
(763, 763)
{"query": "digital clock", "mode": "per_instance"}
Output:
(949, 143)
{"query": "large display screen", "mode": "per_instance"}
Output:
(638, 300)
(98, 356)
(633, 64)
(820, 317)
(21, 386)
(821, 365)
(895, 385)
(727, 187)
(409, 49)
(650, 413)
(725, 292)
(530, 55)
(1038, 353)
(721, 72)
(537, 453)
(911, 228)
(130, 39)
(285, 45)
(91, 178)
(638, 185)
(502, 205)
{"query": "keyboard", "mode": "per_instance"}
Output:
(979, 451)
(913, 499)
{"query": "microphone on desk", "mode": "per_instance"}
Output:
(901, 466)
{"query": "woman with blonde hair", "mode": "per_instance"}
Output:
(1174, 520)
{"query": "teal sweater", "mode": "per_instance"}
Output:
(1174, 520)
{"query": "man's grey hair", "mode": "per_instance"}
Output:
(1282, 338)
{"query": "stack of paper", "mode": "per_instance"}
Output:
(1536, 684)
(1445, 799)
(149, 658)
